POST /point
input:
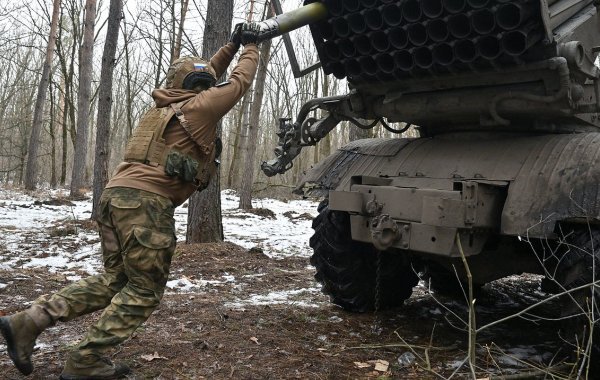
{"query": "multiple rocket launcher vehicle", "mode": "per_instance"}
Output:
(505, 96)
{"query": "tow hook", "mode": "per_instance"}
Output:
(384, 232)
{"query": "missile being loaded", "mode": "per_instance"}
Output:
(289, 21)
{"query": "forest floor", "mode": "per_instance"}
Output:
(251, 312)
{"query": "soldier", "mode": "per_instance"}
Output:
(171, 154)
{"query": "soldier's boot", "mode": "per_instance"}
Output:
(92, 367)
(20, 331)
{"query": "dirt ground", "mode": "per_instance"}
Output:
(222, 331)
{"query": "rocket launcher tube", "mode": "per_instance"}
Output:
(286, 22)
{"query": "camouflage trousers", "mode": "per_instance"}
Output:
(137, 230)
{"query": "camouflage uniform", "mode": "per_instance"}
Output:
(135, 217)
(138, 240)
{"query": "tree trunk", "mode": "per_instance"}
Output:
(105, 99)
(67, 100)
(34, 139)
(316, 92)
(83, 101)
(204, 213)
(236, 144)
(324, 145)
(128, 79)
(177, 44)
(62, 104)
(356, 133)
(52, 131)
(252, 141)
(159, 34)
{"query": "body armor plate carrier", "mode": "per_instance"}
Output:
(148, 146)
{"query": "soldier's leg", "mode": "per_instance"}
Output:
(90, 294)
(147, 265)
(150, 244)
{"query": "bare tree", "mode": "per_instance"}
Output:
(34, 140)
(52, 133)
(105, 98)
(83, 100)
(204, 213)
(324, 146)
(253, 126)
(177, 43)
(236, 143)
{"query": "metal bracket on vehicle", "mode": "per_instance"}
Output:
(373, 207)
(469, 195)
(385, 232)
(303, 132)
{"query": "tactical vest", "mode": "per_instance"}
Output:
(148, 146)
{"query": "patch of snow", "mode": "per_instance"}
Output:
(285, 297)
(43, 346)
(28, 229)
(509, 361)
(228, 278)
(254, 275)
(278, 238)
(188, 285)
(335, 319)
(183, 285)
(454, 364)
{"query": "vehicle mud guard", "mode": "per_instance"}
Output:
(362, 156)
(559, 181)
(551, 178)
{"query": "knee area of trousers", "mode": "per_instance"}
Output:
(149, 296)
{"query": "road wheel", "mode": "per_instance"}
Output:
(444, 282)
(580, 266)
(347, 270)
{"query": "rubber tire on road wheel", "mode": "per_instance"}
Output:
(581, 259)
(347, 269)
(444, 282)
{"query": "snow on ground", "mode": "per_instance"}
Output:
(28, 226)
(287, 235)
(30, 238)
(296, 297)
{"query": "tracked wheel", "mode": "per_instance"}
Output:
(347, 270)
(580, 266)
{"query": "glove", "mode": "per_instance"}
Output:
(249, 34)
(236, 36)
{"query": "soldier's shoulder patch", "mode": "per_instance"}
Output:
(223, 84)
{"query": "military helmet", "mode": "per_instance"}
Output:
(188, 72)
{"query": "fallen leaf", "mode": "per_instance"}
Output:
(362, 365)
(153, 357)
(380, 365)
(254, 339)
